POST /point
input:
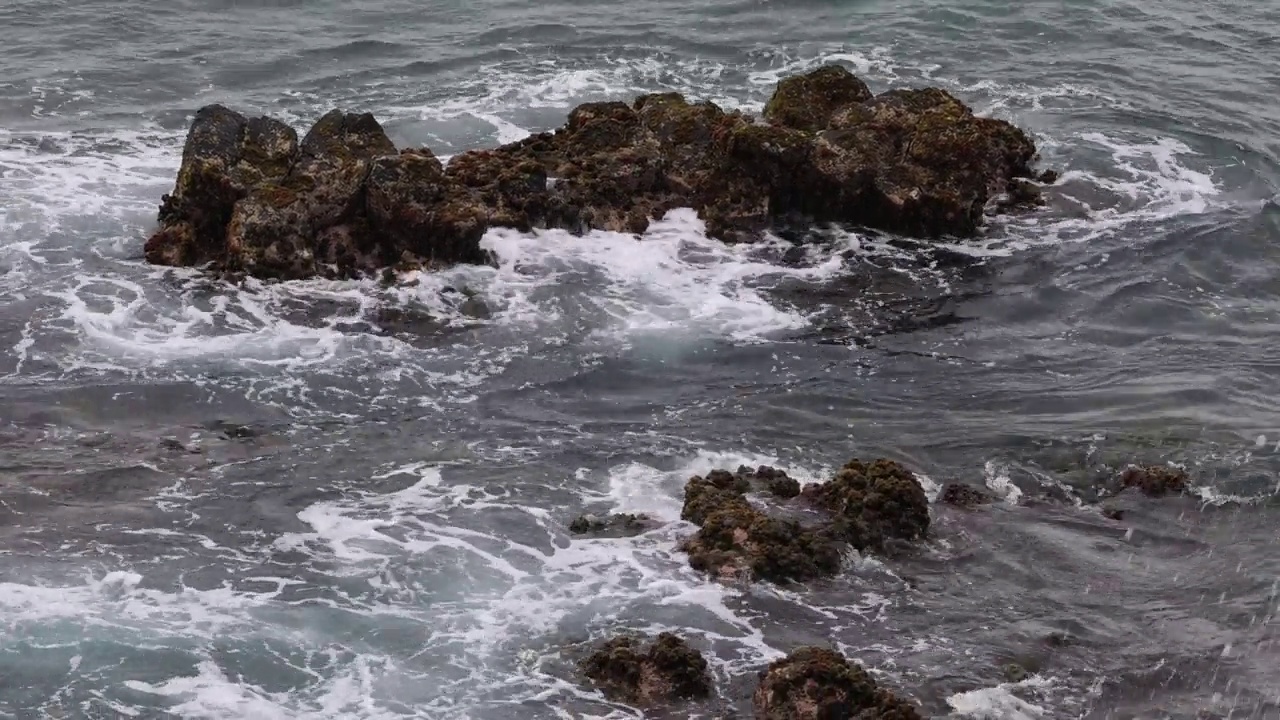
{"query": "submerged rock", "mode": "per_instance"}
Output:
(819, 684)
(251, 199)
(1156, 480)
(964, 496)
(616, 526)
(667, 670)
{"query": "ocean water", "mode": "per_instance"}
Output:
(336, 500)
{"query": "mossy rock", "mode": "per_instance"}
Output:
(873, 502)
(667, 670)
(815, 683)
(808, 102)
(1156, 480)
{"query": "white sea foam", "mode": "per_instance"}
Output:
(997, 478)
(994, 703)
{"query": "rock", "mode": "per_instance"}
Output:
(1155, 480)
(736, 541)
(874, 502)
(1058, 640)
(615, 526)
(252, 200)
(864, 505)
(964, 496)
(667, 670)
(1112, 513)
(808, 102)
(820, 684)
(1014, 672)
(225, 156)
(916, 162)
(315, 215)
(777, 482)
(416, 210)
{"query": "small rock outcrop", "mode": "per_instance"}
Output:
(873, 502)
(250, 198)
(819, 684)
(1156, 480)
(667, 670)
(737, 541)
(613, 526)
(964, 496)
(863, 506)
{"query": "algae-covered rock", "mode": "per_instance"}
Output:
(964, 496)
(917, 162)
(775, 481)
(737, 541)
(874, 502)
(613, 526)
(808, 102)
(286, 229)
(225, 156)
(815, 683)
(667, 670)
(250, 199)
(418, 212)
(864, 505)
(1156, 480)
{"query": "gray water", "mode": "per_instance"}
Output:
(335, 500)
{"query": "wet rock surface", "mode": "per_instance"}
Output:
(964, 496)
(615, 526)
(251, 199)
(874, 502)
(863, 506)
(814, 683)
(667, 670)
(737, 541)
(1155, 480)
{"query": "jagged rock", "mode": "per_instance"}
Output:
(964, 496)
(874, 502)
(225, 156)
(622, 525)
(736, 541)
(1156, 480)
(415, 209)
(667, 670)
(314, 215)
(819, 684)
(250, 199)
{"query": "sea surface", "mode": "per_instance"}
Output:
(338, 500)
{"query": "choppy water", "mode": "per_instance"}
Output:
(364, 516)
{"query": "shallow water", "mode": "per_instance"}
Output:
(360, 508)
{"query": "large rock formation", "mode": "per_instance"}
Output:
(665, 671)
(819, 684)
(249, 198)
